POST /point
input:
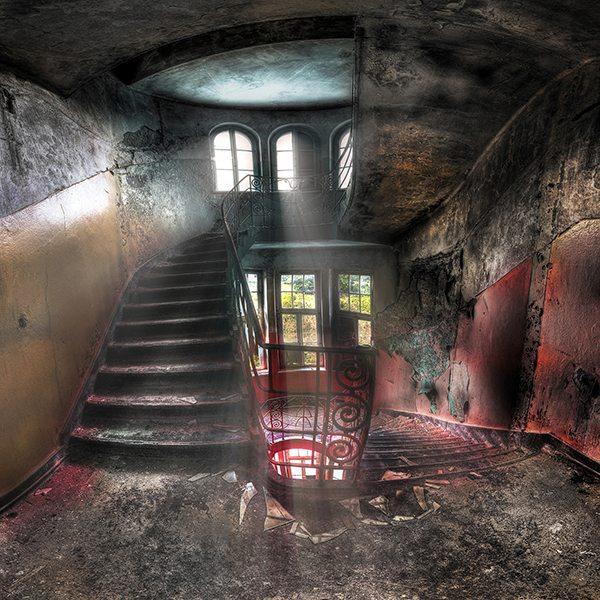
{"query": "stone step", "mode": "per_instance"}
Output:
(171, 328)
(124, 405)
(180, 292)
(169, 268)
(157, 280)
(174, 378)
(189, 349)
(194, 256)
(162, 436)
(172, 309)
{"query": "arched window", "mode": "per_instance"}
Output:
(296, 160)
(235, 155)
(343, 158)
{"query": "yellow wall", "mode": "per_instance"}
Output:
(61, 272)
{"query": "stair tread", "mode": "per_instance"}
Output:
(153, 274)
(165, 400)
(145, 369)
(162, 433)
(171, 342)
(174, 320)
(168, 303)
(181, 287)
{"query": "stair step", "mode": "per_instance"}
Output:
(150, 379)
(176, 308)
(178, 349)
(156, 280)
(170, 268)
(180, 292)
(160, 435)
(171, 328)
(193, 256)
(225, 408)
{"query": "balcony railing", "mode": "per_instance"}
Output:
(314, 421)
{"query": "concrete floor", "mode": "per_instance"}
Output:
(115, 530)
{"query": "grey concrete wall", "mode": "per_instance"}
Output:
(537, 179)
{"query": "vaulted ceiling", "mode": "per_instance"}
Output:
(438, 77)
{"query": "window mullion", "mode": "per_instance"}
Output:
(234, 161)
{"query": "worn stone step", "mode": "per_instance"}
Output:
(169, 268)
(156, 280)
(225, 408)
(145, 294)
(162, 436)
(172, 309)
(171, 328)
(169, 350)
(174, 378)
(195, 256)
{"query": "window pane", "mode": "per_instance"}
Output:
(245, 161)
(344, 140)
(354, 284)
(222, 141)
(284, 142)
(285, 161)
(345, 302)
(242, 141)
(252, 279)
(298, 300)
(364, 332)
(290, 329)
(309, 330)
(343, 284)
(224, 181)
(310, 359)
(365, 284)
(286, 283)
(365, 305)
(354, 302)
(223, 159)
(286, 300)
(309, 283)
(309, 301)
(285, 184)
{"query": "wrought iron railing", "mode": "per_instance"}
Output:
(315, 421)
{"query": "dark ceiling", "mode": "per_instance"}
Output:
(439, 78)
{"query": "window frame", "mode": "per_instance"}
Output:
(355, 316)
(280, 311)
(232, 129)
(316, 152)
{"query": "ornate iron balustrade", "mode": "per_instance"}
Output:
(315, 421)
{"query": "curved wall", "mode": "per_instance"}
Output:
(489, 281)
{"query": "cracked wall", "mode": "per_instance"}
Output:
(511, 224)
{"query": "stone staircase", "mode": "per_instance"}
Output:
(167, 380)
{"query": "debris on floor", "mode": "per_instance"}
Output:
(230, 477)
(369, 521)
(300, 530)
(247, 495)
(419, 492)
(381, 503)
(198, 476)
(276, 514)
(394, 475)
(42, 491)
(352, 505)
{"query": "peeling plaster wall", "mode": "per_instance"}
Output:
(70, 237)
(485, 255)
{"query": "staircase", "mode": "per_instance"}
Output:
(167, 381)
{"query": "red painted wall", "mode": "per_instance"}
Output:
(566, 401)
(486, 359)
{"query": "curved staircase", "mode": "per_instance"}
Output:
(167, 380)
